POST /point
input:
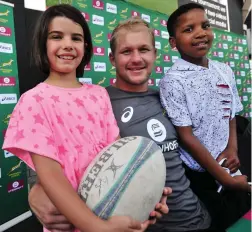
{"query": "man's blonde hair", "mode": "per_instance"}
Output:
(129, 24)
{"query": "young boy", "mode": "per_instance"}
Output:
(201, 99)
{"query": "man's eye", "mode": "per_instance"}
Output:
(143, 50)
(126, 52)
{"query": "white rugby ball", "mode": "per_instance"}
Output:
(126, 178)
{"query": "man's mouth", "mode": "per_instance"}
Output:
(136, 69)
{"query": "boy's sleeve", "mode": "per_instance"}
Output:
(173, 100)
(112, 128)
(29, 131)
(238, 105)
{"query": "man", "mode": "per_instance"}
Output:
(138, 112)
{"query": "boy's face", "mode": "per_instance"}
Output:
(193, 35)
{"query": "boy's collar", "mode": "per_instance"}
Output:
(183, 65)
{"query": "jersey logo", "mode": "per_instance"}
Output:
(156, 130)
(127, 115)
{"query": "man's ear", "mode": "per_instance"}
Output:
(112, 59)
(172, 42)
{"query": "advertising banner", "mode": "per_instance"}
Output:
(13, 180)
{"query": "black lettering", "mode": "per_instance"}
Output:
(105, 156)
(88, 183)
(96, 169)
(84, 196)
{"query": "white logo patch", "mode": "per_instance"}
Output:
(127, 115)
(156, 130)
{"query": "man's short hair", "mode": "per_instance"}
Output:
(129, 24)
(173, 19)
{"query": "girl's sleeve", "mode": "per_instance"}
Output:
(112, 128)
(29, 130)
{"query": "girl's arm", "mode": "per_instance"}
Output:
(205, 159)
(64, 197)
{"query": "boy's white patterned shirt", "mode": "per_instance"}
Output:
(203, 99)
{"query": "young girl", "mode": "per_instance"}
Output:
(59, 126)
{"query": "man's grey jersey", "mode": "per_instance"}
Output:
(142, 114)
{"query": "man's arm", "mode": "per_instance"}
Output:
(46, 212)
(52, 219)
(205, 159)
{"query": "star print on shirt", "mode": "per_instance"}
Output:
(59, 120)
(19, 135)
(38, 119)
(101, 124)
(113, 167)
(91, 118)
(78, 148)
(55, 98)
(93, 98)
(62, 150)
(80, 129)
(79, 102)
(50, 141)
(38, 98)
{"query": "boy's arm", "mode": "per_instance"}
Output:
(230, 153)
(67, 201)
(205, 159)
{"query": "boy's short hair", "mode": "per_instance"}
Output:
(173, 19)
(39, 50)
(129, 24)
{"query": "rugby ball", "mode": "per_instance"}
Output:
(126, 178)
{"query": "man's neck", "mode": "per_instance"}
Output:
(129, 87)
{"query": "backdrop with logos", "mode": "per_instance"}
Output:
(103, 16)
(13, 180)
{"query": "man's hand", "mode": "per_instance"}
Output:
(46, 212)
(232, 162)
(161, 207)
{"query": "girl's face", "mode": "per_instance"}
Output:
(65, 45)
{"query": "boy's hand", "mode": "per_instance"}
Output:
(46, 212)
(240, 182)
(232, 162)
